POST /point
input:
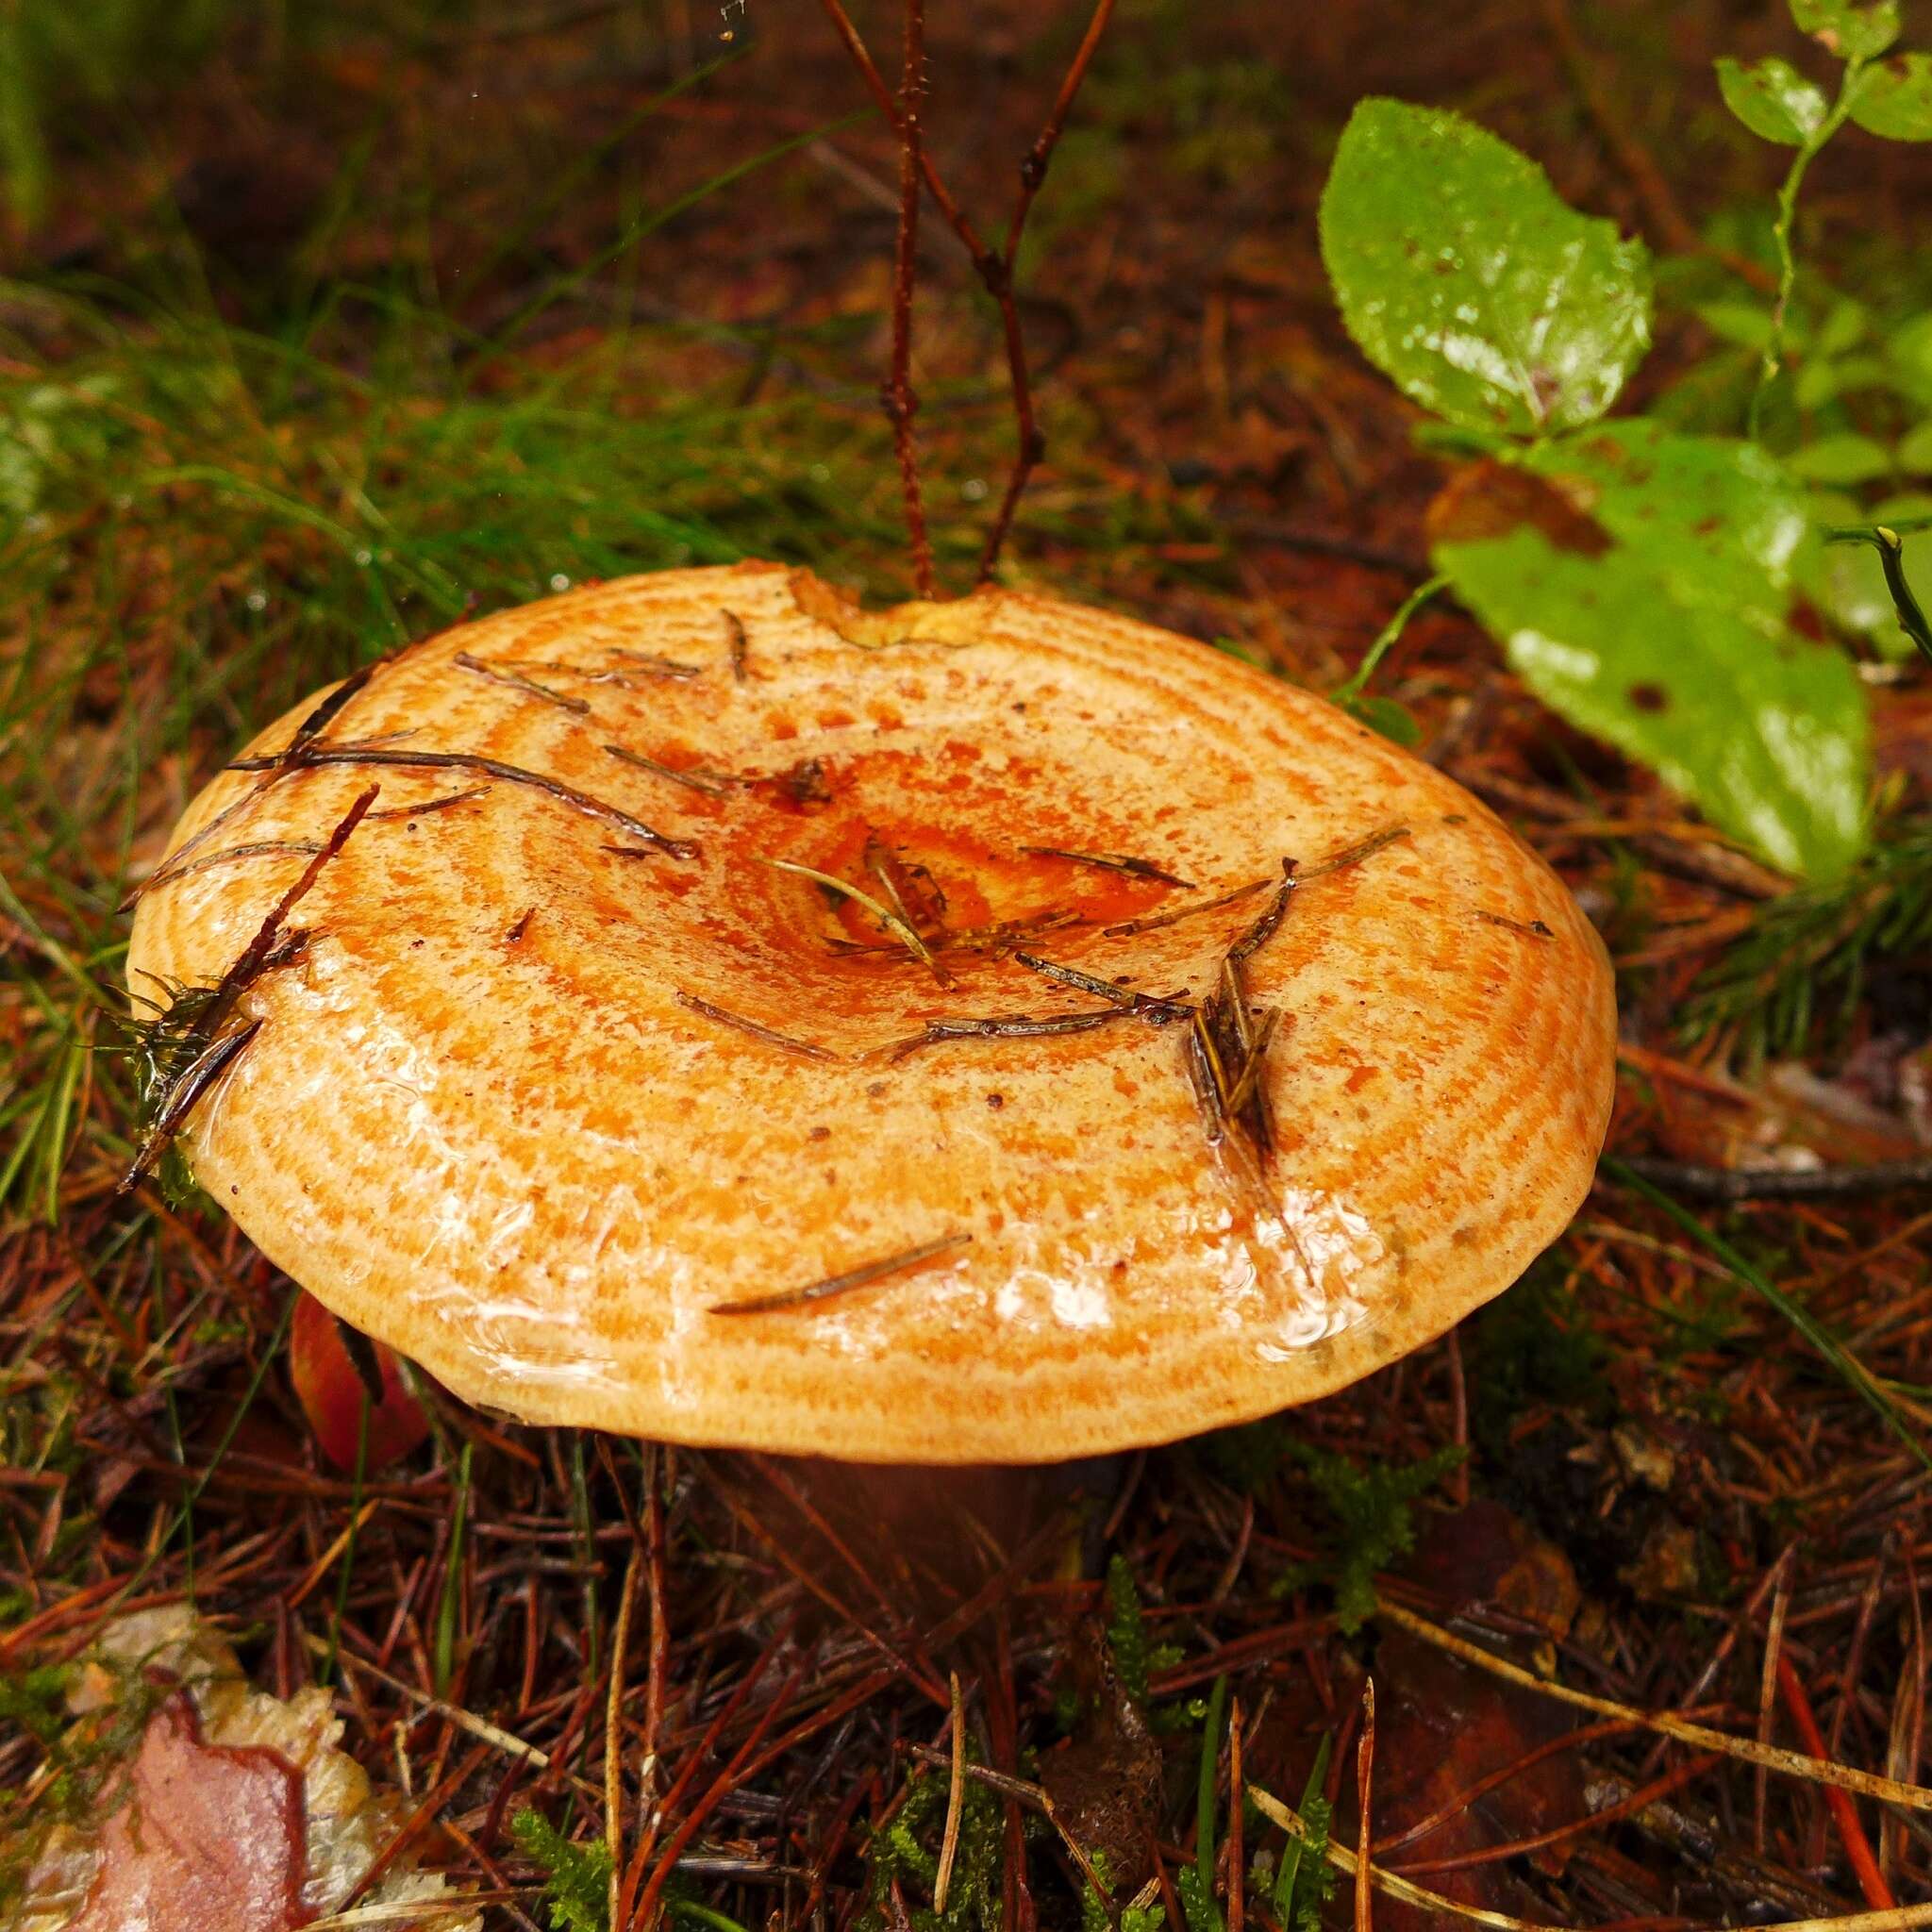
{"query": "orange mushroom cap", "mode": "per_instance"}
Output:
(745, 1019)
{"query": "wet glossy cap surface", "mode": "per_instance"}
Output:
(509, 1112)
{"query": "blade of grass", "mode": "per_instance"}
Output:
(448, 1608)
(327, 1673)
(1291, 1853)
(1855, 1375)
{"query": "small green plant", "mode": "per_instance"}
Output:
(1134, 1918)
(576, 1876)
(1778, 103)
(1806, 963)
(1371, 1523)
(1306, 1879)
(1134, 1657)
(900, 1851)
(36, 1701)
(1643, 582)
(1195, 1882)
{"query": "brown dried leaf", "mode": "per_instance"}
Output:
(1490, 499)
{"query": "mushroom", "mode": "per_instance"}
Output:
(993, 1031)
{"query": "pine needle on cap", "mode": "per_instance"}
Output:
(841, 1284)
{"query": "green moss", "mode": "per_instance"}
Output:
(576, 1874)
(1370, 1523)
(906, 1849)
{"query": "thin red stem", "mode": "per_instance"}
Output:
(994, 266)
(1032, 444)
(902, 404)
(954, 216)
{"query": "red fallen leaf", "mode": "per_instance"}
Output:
(1481, 1554)
(1442, 1726)
(332, 1393)
(203, 1838)
(1446, 1726)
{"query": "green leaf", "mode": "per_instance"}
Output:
(1747, 324)
(1914, 453)
(1845, 458)
(1673, 642)
(1772, 99)
(1821, 382)
(1845, 324)
(1851, 30)
(1908, 348)
(1299, 1893)
(1195, 1882)
(1464, 277)
(1389, 717)
(26, 165)
(1894, 99)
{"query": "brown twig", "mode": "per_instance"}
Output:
(1774, 1653)
(841, 1284)
(1237, 1903)
(1667, 1724)
(220, 1052)
(1783, 1183)
(613, 1729)
(806, 1049)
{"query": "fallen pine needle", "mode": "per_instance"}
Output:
(1913, 1797)
(1271, 1807)
(1844, 1813)
(949, 1848)
(613, 1727)
(325, 1562)
(416, 1911)
(1364, 1783)
(479, 1728)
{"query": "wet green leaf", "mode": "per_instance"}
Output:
(1852, 29)
(1909, 349)
(1464, 277)
(1845, 324)
(1820, 382)
(1747, 324)
(1772, 99)
(1845, 458)
(1894, 99)
(1392, 719)
(1670, 635)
